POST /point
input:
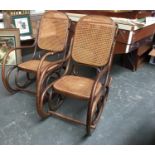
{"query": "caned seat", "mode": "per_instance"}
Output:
(79, 87)
(32, 65)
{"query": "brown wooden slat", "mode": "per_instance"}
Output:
(144, 32)
(119, 48)
(122, 36)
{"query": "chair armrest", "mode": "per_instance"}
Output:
(105, 71)
(41, 77)
(48, 70)
(23, 47)
(59, 62)
(102, 73)
(41, 62)
(16, 48)
(92, 96)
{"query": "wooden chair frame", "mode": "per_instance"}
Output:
(95, 103)
(18, 86)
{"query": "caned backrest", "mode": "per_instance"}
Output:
(53, 31)
(93, 40)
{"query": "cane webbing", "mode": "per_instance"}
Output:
(93, 39)
(53, 31)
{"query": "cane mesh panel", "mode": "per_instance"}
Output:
(53, 31)
(93, 40)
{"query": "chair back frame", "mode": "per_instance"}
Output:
(70, 56)
(93, 40)
(38, 41)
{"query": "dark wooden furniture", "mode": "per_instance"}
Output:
(131, 14)
(133, 45)
(52, 39)
(93, 46)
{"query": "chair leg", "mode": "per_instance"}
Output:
(41, 98)
(44, 84)
(88, 130)
(89, 120)
(55, 101)
(93, 118)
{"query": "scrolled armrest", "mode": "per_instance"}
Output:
(41, 62)
(16, 48)
(6, 55)
(48, 70)
(100, 75)
(59, 62)
(23, 47)
(41, 77)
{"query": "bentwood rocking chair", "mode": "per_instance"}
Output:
(52, 40)
(92, 46)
